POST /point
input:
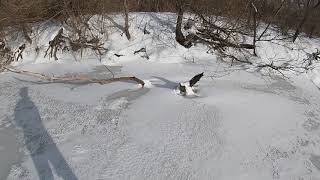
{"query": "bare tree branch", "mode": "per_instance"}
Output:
(75, 78)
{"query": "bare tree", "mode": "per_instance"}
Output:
(55, 44)
(303, 21)
(255, 12)
(180, 38)
(126, 19)
(309, 9)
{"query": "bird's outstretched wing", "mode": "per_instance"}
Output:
(195, 79)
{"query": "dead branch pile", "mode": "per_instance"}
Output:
(304, 66)
(83, 43)
(63, 42)
(315, 56)
(217, 41)
(6, 55)
(19, 52)
(220, 37)
(55, 44)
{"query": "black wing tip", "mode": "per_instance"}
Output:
(195, 79)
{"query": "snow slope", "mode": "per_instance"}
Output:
(241, 125)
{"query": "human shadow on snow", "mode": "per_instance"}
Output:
(43, 151)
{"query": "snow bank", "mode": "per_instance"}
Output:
(241, 124)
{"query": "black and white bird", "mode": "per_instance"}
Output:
(186, 88)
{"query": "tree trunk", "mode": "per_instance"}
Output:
(254, 33)
(255, 12)
(302, 22)
(126, 19)
(179, 35)
(311, 31)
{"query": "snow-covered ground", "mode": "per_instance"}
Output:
(241, 124)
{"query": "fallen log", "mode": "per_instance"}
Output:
(75, 77)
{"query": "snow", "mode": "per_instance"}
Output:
(315, 77)
(242, 123)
